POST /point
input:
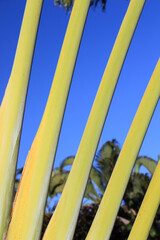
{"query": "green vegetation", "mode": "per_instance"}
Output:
(82, 179)
(101, 171)
(67, 4)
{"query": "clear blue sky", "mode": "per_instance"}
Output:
(99, 35)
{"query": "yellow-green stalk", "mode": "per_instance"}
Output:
(12, 108)
(150, 204)
(148, 209)
(63, 222)
(27, 214)
(105, 217)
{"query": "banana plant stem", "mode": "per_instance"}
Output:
(29, 205)
(63, 222)
(12, 108)
(104, 220)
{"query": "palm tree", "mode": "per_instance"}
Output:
(67, 4)
(101, 171)
(98, 179)
(99, 175)
(106, 159)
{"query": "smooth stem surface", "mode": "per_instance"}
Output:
(148, 209)
(27, 215)
(150, 204)
(63, 222)
(12, 108)
(105, 217)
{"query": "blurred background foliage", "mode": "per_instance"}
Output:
(67, 4)
(101, 171)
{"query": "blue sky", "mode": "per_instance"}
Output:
(99, 35)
